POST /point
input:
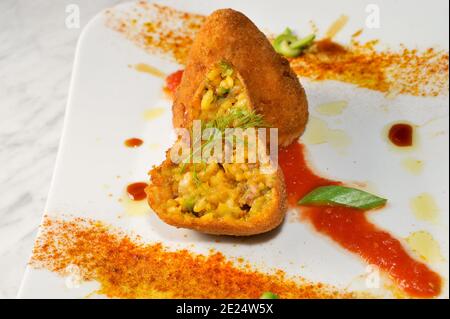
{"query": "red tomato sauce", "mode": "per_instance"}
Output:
(351, 229)
(173, 81)
(133, 142)
(136, 191)
(401, 134)
(299, 178)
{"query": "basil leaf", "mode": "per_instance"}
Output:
(335, 195)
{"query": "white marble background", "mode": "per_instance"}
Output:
(36, 57)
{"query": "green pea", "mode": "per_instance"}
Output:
(189, 203)
(269, 295)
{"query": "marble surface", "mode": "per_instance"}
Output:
(36, 57)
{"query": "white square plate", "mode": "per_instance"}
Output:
(108, 99)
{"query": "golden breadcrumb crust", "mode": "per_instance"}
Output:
(273, 88)
(160, 191)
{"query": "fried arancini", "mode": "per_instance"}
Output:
(273, 89)
(222, 199)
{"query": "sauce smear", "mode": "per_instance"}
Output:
(299, 178)
(173, 81)
(145, 68)
(136, 191)
(351, 229)
(133, 142)
(401, 134)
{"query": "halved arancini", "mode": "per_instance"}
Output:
(273, 89)
(239, 199)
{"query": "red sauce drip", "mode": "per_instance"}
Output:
(299, 178)
(173, 81)
(136, 191)
(351, 229)
(133, 142)
(401, 134)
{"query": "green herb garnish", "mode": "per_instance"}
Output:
(335, 195)
(290, 45)
(195, 177)
(233, 118)
(236, 118)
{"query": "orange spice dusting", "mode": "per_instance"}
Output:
(127, 268)
(157, 28)
(411, 72)
(161, 29)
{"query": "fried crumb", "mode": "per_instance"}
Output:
(167, 31)
(126, 267)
